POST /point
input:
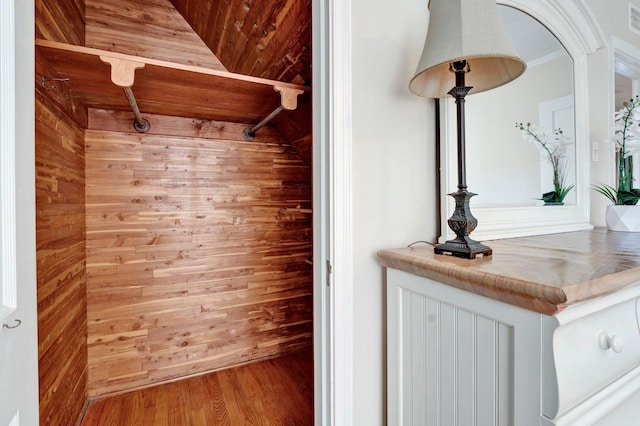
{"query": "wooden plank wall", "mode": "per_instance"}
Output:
(60, 239)
(60, 227)
(60, 20)
(263, 38)
(149, 28)
(198, 249)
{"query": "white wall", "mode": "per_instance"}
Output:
(393, 174)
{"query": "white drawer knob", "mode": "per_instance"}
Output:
(610, 342)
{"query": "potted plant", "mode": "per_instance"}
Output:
(554, 150)
(624, 215)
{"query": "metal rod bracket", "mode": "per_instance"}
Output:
(288, 101)
(123, 74)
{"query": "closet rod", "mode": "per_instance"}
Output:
(140, 124)
(250, 132)
(288, 101)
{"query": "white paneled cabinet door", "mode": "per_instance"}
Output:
(18, 316)
(458, 359)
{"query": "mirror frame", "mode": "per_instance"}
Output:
(573, 24)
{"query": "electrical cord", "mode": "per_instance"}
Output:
(419, 242)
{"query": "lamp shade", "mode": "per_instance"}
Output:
(465, 30)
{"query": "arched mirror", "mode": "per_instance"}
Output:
(507, 169)
(513, 174)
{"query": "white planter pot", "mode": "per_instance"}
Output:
(623, 218)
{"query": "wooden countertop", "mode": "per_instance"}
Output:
(544, 273)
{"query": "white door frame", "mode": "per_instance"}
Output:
(8, 284)
(333, 270)
(18, 340)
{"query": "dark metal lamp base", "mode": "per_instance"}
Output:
(462, 223)
(465, 248)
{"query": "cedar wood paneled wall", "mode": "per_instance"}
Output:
(198, 243)
(198, 249)
(60, 233)
(60, 228)
(61, 20)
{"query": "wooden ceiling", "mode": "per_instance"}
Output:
(262, 38)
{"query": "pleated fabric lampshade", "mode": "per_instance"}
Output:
(465, 30)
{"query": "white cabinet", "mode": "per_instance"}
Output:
(458, 358)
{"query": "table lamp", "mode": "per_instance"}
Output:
(465, 44)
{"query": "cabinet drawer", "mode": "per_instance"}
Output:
(593, 351)
(624, 414)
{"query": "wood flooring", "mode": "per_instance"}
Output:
(277, 391)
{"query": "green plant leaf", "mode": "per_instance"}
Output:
(556, 196)
(629, 198)
(608, 191)
(617, 196)
(563, 193)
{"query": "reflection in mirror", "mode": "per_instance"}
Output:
(503, 168)
(627, 81)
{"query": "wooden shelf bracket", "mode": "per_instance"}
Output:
(288, 101)
(123, 74)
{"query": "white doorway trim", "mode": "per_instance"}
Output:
(8, 285)
(333, 269)
(18, 330)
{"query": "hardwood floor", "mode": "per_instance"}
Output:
(278, 391)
